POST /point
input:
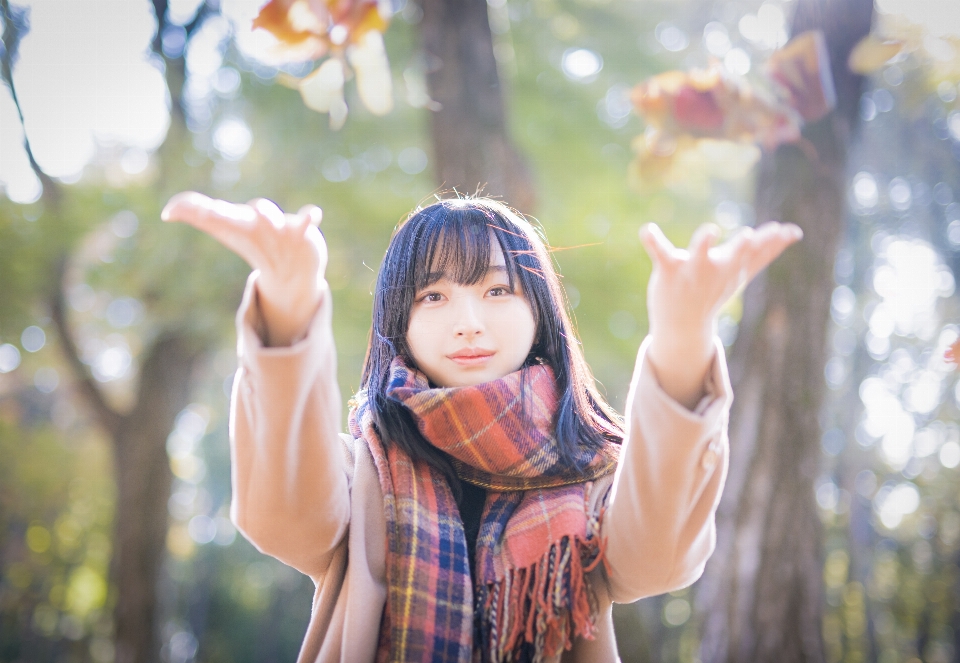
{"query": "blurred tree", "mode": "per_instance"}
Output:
(220, 600)
(138, 434)
(761, 597)
(888, 496)
(471, 144)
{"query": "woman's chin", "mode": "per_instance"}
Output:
(468, 376)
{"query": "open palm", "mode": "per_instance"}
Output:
(287, 249)
(690, 286)
(687, 289)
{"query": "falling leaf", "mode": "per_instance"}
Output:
(952, 355)
(322, 91)
(684, 108)
(802, 69)
(709, 104)
(300, 27)
(374, 83)
(322, 88)
(871, 53)
(318, 26)
(345, 30)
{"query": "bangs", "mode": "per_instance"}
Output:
(457, 244)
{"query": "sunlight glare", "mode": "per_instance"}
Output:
(80, 86)
(893, 503)
(865, 191)
(938, 17)
(910, 279)
(716, 39)
(581, 65)
(671, 37)
(232, 138)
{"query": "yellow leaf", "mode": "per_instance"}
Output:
(374, 82)
(299, 28)
(324, 87)
(871, 53)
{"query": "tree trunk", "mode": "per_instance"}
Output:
(143, 489)
(471, 145)
(761, 596)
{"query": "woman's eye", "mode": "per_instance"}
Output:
(431, 297)
(499, 291)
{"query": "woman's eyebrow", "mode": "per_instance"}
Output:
(436, 277)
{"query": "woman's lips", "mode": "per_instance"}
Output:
(471, 357)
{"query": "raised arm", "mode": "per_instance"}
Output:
(659, 523)
(289, 469)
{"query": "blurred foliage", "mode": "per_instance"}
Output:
(888, 493)
(129, 277)
(55, 510)
(891, 590)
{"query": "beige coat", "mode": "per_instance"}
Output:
(309, 496)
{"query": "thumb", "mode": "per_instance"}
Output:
(656, 244)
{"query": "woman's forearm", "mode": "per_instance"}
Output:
(659, 522)
(290, 474)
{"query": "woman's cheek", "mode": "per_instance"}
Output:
(426, 327)
(516, 323)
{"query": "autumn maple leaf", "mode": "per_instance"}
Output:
(697, 111)
(952, 355)
(766, 110)
(350, 31)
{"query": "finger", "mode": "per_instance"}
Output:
(268, 210)
(308, 215)
(230, 224)
(732, 251)
(313, 213)
(206, 213)
(769, 241)
(182, 204)
(175, 208)
(658, 247)
(703, 239)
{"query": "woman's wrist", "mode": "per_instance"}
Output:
(286, 312)
(681, 361)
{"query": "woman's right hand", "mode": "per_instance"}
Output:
(288, 249)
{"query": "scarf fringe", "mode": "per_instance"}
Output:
(546, 605)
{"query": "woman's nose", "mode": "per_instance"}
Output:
(469, 322)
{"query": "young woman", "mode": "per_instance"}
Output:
(485, 503)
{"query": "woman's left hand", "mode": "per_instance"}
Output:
(688, 288)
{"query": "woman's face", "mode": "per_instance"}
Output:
(462, 335)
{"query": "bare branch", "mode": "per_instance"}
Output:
(160, 10)
(175, 67)
(11, 38)
(205, 11)
(106, 415)
(109, 418)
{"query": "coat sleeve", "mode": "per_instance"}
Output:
(658, 525)
(290, 467)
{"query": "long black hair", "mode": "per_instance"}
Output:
(452, 239)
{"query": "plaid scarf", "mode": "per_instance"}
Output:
(536, 540)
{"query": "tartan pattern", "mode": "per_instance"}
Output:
(499, 432)
(529, 597)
